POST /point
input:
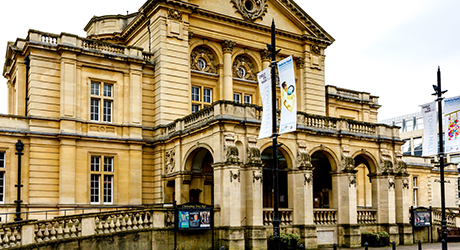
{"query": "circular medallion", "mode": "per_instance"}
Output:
(201, 64)
(251, 9)
(241, 72)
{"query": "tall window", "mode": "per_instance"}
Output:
(101, 101)
(415, 190)
(242, 98)
(101, 180)
(201, 98)
(2, 177)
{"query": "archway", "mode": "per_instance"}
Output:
(363, 182)
(268, 185)
(322, 180)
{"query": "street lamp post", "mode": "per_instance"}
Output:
(276, 220)
(439, 93)
(19, 148)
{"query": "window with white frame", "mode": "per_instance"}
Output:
(101, 107)
(415, 191)
(201, 98)
(2, 177)
(237, 97)
(102, 173)
(247, 99)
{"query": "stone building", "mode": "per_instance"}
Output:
(163, 105)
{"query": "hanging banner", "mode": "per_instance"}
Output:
(288, 121)
(430, 131)
(266, 95)
(452, 124)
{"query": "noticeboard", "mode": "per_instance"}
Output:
(193, 217)
(421, 217)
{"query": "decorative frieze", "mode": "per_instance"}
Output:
(227, 46)
(251, 10)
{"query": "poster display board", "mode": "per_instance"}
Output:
(422, 217)
(193, 217)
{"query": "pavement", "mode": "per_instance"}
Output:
(425, 246)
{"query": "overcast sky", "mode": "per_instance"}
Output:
(390, 48)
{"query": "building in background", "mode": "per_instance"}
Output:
(163, 105)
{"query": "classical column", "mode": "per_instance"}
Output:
(265, 55)
(182, 188)
(344, 186)
(403, 203)
(227, 49)
(300, 65)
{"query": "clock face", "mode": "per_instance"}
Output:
(251, 10)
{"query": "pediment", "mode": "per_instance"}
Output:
(287, 14)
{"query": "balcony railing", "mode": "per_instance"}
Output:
(367, 216)
(325, 216)
(285, 216)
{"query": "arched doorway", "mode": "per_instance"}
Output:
(322, 180)
(363, 181)
(268, 185)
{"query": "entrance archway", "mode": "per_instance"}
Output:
(363, 164)
(267, 159)
(322, 180)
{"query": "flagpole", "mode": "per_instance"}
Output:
(276, 221)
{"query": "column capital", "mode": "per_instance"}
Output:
(227, 46)
(265, 55)
(300, 62)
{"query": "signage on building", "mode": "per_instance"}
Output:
(421, 217)
(452, 124)
(193, 217)
(266, 95)
(430, 131)
(288, 122)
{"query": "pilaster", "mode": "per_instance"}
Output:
(68, 84)
(402, 206)
(135, 174)
(67, 171)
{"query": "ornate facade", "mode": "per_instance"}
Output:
(163, 105)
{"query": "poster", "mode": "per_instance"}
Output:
(430, 131)
(194, 217)
(184, 219)
(288, 105)
(266, 95)
(422, 218)
(205, 217)
(452, 124)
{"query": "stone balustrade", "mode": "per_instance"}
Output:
(325, 216)
(284, 214)
(75, 226)
(451, 216)
(253, 114)
(65, 39)
(367, 216)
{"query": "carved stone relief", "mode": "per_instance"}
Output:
(303, 157)
(227, 46)
(386, 164)
(202, 59)
(308, 178)
(315, 57)
(253, 151)
(348, 163)
(406, 183)
(169, 161)
(352, 181)
(251, 10)
(256, 177)
(234, 176)
(265, 55)
(300, 62)
(391, 183)
(231, 151)
(243, 68)
(175, 14)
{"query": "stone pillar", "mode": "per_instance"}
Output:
(255, 232)
(67, 171)
(302, 183)
(182, 188)
(344, 186)
(20, 87)
(383, 199)
(227, 49)
(135, 174)
(402, 206)
(227, 193)
(266, 60)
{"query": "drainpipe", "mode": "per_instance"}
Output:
(19, 148)
(27, 63)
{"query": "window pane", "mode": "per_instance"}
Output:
(420, 123)
(95, 109)
(409, 125)
(2, 159)
(107, 111)
(95, 163)
(95, 87)
(195, 108)
(455, 159)
(2, 186)
(237, 97)
(108, 164)
(406, 147)
(207, 95)
(95, 183)
(108, 188)
(108, 90)
(196, 94)
(247, 99)
(418, 146)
